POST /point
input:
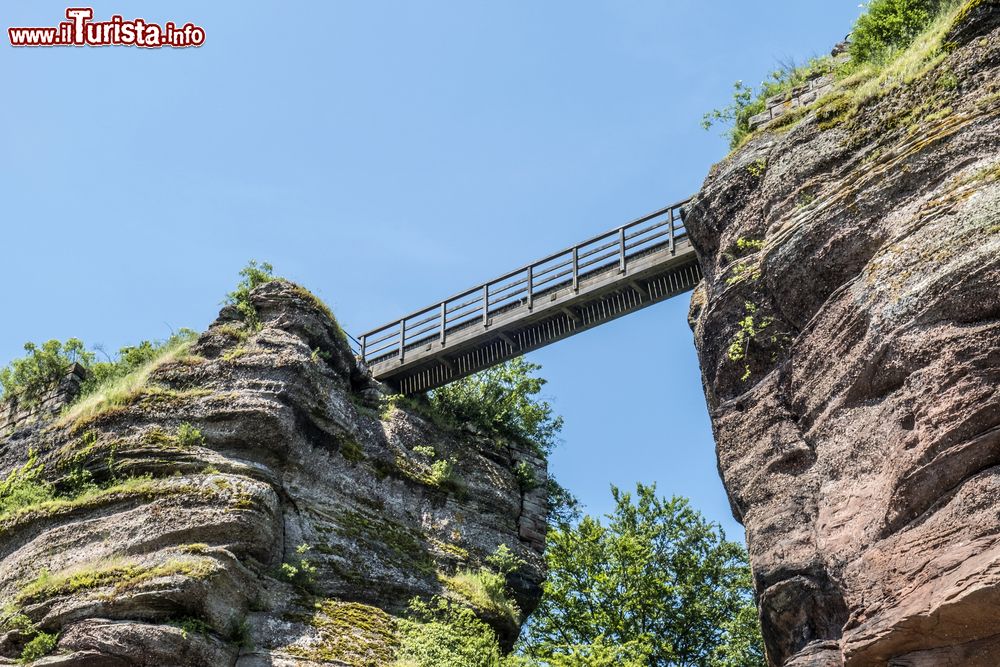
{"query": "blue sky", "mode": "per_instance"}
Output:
(386, 155)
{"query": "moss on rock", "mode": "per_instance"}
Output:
(350, 633)
(406, 548)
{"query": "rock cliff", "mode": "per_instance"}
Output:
(254, 501)
(849, 334)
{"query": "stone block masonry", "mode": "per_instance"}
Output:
(14, 414)
(800, 96)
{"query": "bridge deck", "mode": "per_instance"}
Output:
(633, 266)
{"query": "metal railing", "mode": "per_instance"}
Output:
(659, 230)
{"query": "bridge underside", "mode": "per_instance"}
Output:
(659, 273)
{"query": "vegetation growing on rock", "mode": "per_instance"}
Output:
(117, 574)
(890, 25)
(893, 43)
(486, 587)
(502, 400)
(255, 274)
(349, 633)
(443, 634)
(303, 529)
(40, 646)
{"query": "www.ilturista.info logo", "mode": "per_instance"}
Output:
(80, 30)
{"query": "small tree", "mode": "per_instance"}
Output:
(655, 585)
(253, 275)
(887, 25)
(503, 399)
(42, 368)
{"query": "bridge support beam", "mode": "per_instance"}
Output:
(610, 275)
(510, 340)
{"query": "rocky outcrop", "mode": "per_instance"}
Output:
(849, 334)
(255, 501)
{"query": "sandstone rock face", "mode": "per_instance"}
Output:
(182, 564)
(851, 363)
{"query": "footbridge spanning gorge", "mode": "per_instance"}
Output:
(636, 265)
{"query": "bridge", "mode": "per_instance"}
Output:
(619, 272)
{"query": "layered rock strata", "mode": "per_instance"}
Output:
(255, 501)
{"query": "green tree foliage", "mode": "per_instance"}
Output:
(743, 645)
(655, 585)
(888, 25)
(600, 653)
(42, 368)
(564, 508)
(503, 399)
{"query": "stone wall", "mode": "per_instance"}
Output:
(800, 96)
(14, 414)
(532, 522)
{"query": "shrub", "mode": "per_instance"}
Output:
(444, 634)
(189, 436)
(23, 488)
(117, 390)
(78, 481)
(889, 25)
(113, 381)
(42, 368)
(442, 473)
(892, 41)
(301, 572)
(486, 588)
(43, 644)
(254, 275)
(502, 400)
(504, 561)
(11, 618)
